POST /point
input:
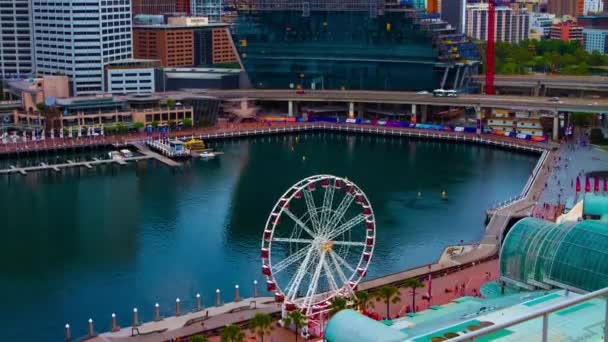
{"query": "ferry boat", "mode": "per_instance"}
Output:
(115, 155)
(126, 153)
(195, 146)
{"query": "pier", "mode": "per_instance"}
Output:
(143, 149)
(70, 164)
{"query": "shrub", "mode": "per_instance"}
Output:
(597, 137)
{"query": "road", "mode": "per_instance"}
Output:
(549, 81)
(398, 97)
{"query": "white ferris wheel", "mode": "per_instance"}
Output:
(317, 243)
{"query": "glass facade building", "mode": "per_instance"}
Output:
(335, 49)
(538, 253)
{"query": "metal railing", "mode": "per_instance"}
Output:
(544, 313)
(526, 190)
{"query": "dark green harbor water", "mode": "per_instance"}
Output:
(87, 243)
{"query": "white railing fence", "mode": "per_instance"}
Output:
(544, 313)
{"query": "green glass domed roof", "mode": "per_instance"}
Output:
(539, 253)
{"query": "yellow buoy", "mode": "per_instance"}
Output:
(444, 195)
(303, 157)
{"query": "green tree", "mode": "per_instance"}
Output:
(297, 319)
(40, 107)
(388, 294)
(138, 126)
(595, 59)
(364, 300)
(232, 333)
(337, 304)
(187, 123)
(596, 136)
(121, 128)
(413, 284)
(580, 119)
(261, 325)
(171, 103)
(51, 115)
(198, 338)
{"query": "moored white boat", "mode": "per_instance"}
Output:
(115, 155)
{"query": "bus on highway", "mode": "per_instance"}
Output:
(443, 92)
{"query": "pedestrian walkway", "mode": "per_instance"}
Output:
(207, 320)
(574, 159)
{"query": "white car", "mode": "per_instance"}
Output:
(423, 92)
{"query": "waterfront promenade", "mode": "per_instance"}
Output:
(237, 130)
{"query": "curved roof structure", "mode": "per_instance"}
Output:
(539, 253)
(595, 205)
(349, 325)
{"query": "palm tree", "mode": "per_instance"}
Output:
(232, 333)
(337, 304)
(364, 300)
(261, 324)
(413, 284)
(297, 319)
(51, 115)
(198, 338)
(388, 294)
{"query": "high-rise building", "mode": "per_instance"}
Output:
(541, 23)
(593, 6)
(565, 7)
(454, 13)
(182, 6)
(511, 26)
(211, 9)
(567, 32)
(595, 22)
(152, 6)
(171, 46)
(78, 40)
(16, 54)
(432, 6)
(184, 41)
(595, 40)
(160, 6)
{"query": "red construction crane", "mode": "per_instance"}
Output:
(490, 54)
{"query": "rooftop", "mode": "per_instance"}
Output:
(538, 253)
(177, 27)
(578, 322)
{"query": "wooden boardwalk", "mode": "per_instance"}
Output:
(70, 164)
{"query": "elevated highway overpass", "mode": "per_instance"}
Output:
(547, 85)
(529, 103)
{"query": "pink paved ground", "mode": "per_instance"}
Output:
(278, 335)
(472, 278)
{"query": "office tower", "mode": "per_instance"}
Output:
(78, 40)
(511, 26)
(15, 39)
(211, 9)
